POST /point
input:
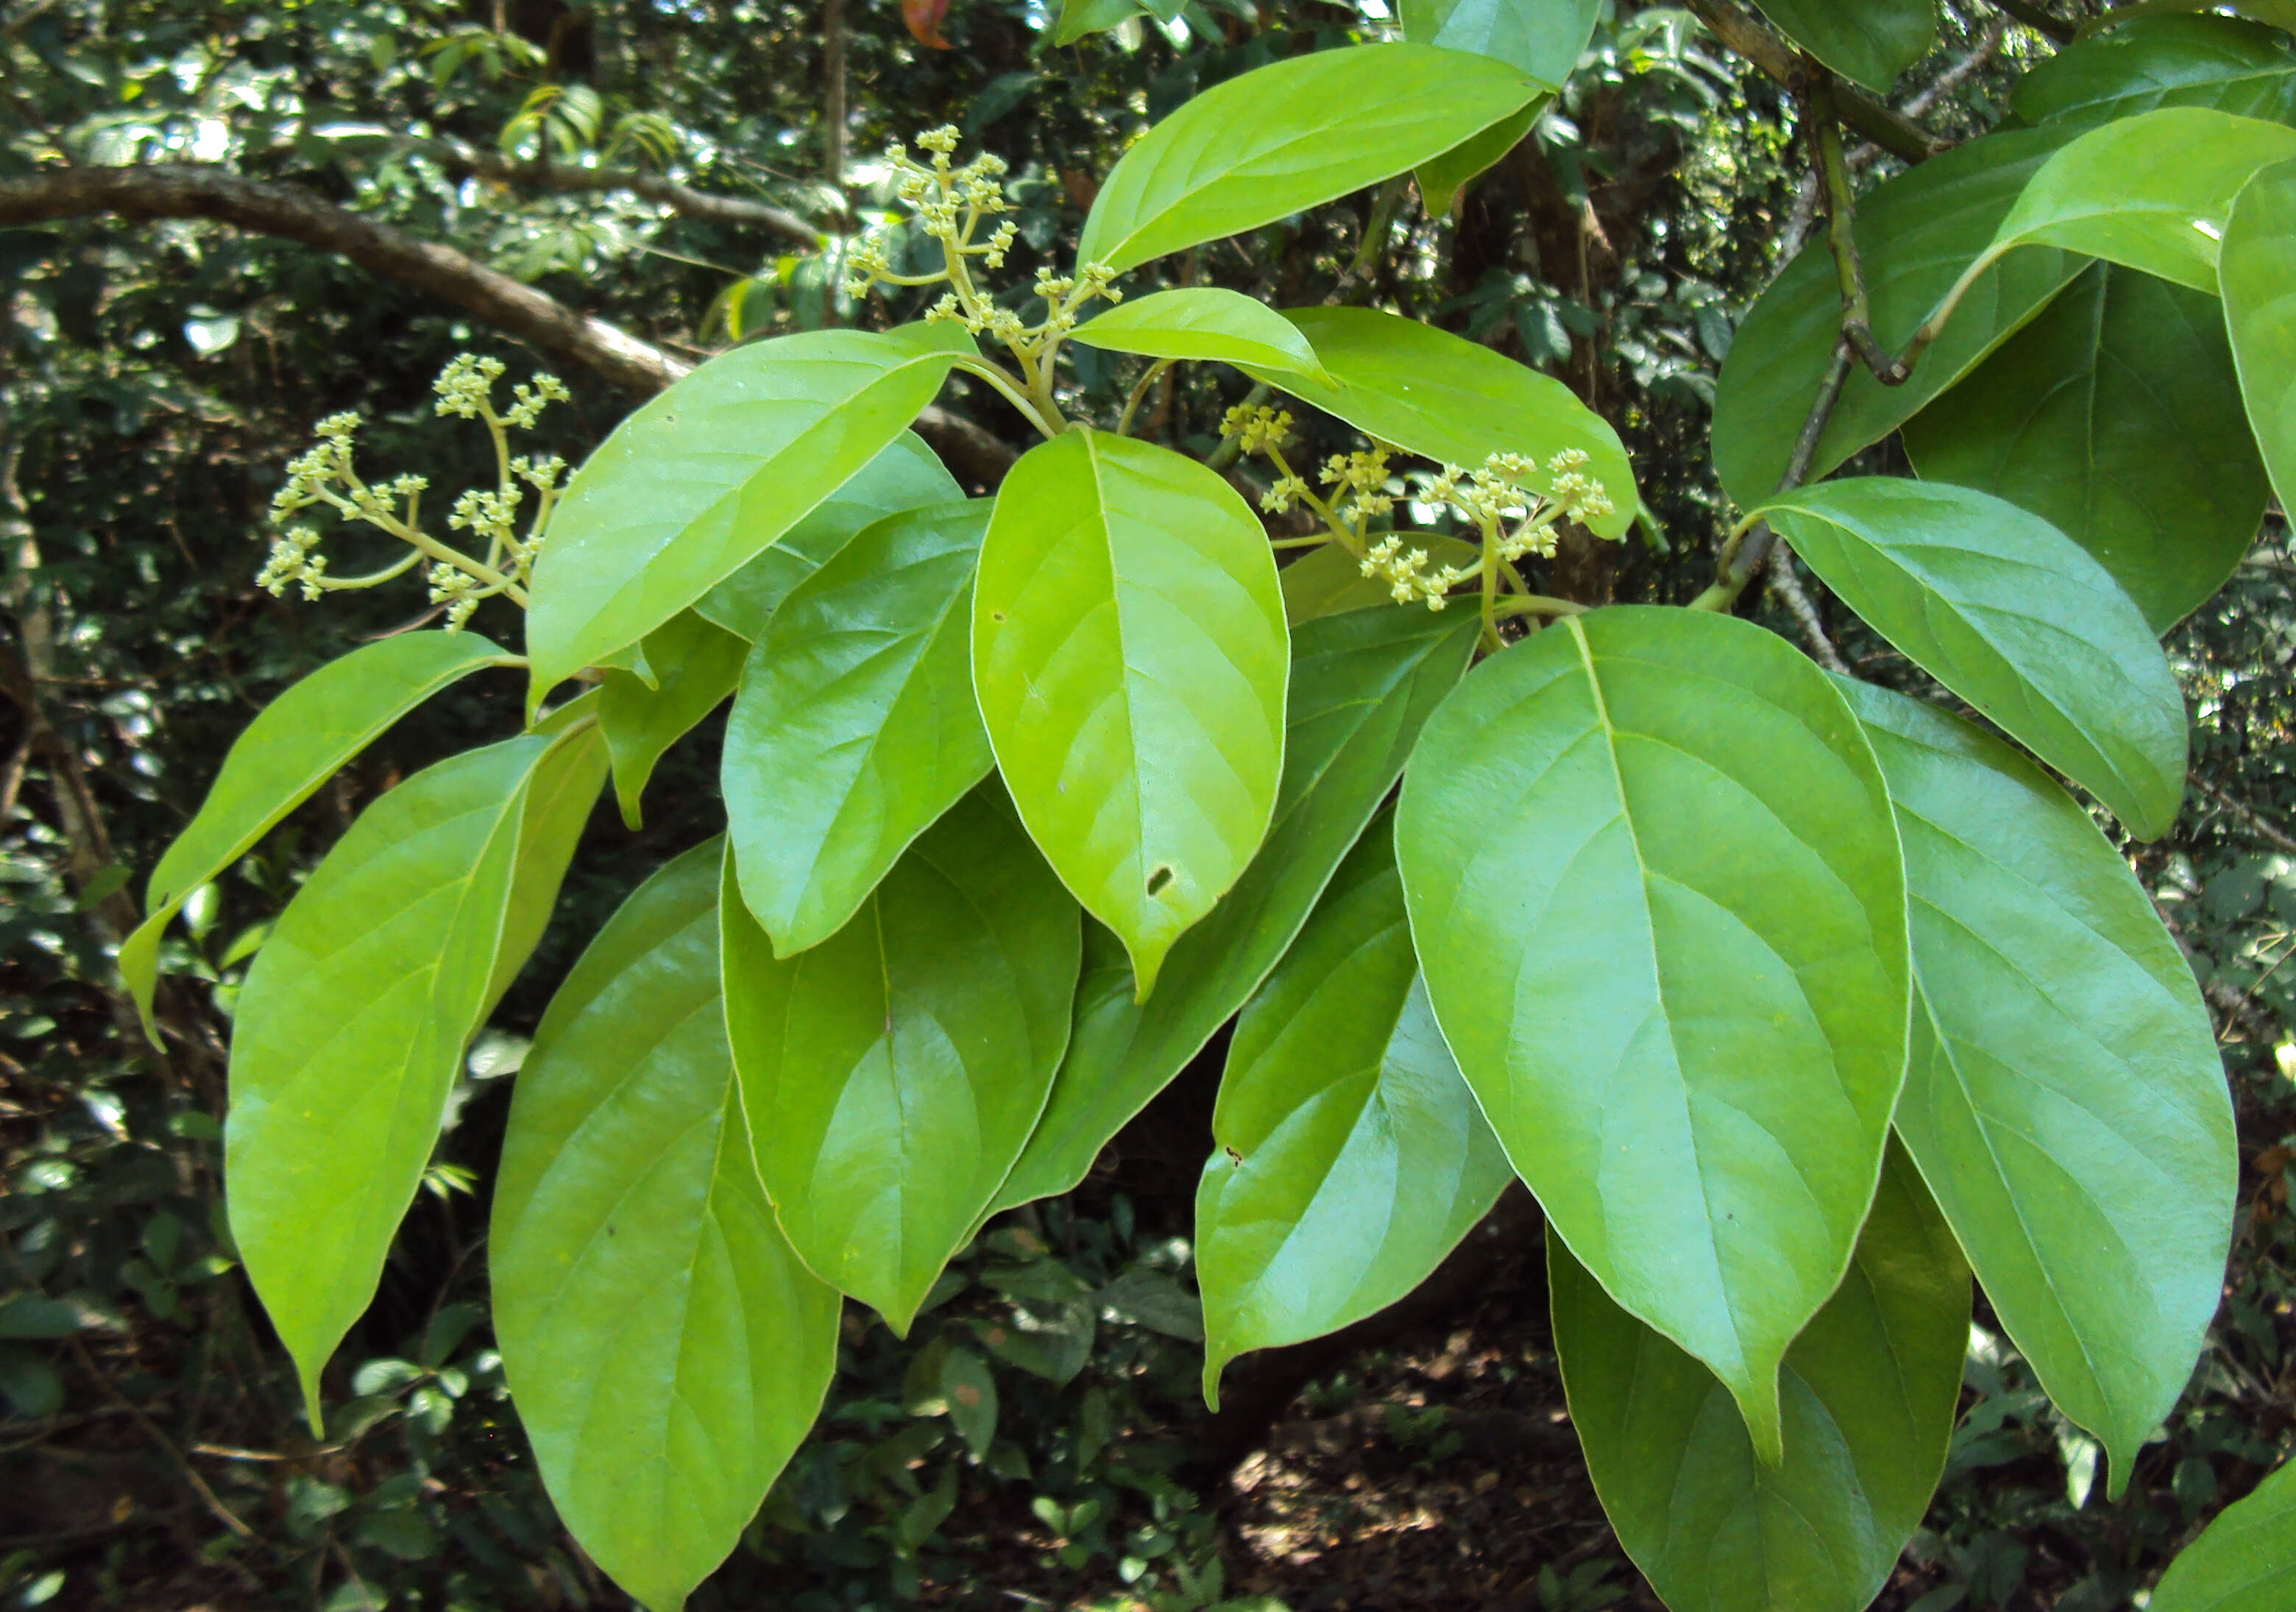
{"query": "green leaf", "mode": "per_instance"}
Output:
(2014, 617)
(692, 486)
(2258, 272)
(1869, 41)
(1329, 581)
(1291, 136)
(971, 1392)
(1654, 886)
(1129, 652)
(350, 1029)
(2065, 1101)
(2223, 62)
(295, 743)
(2245, 1561)
(695, 665)
(855, 726)
(1350, 1156)
(1442, 177)
(1079, 18)
(892, 1073)
(903, 476)
(2116, 417)
(1869, 1390)
(1362, 687)
(1543, 37)
(1201, 322)
(666, 1349)
(1451, 400)
(1916, 233)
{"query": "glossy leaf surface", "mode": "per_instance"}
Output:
(855, 726)
(295, 743)
(1289, 136)
(1654, 886)
(1869, 41)
(666, 1349)
(1451, 400)
(2224, 63)
(2116, 417)
(2245, 1561)
(892, 1073)
(2257, 273)
(1129, 653)
(1329, 581)
(1916, 233)
(1349, 1156)
(695, 665)
(1869, 1391)
(1543, 37)
(1363, 685)
(1441, 178)
(903, 476)
(2014, 617)
(1201, 322)
(351, 1028)
(693, 485)
(2065, 1101)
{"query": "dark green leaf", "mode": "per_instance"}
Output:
(695, 665)
(2224, 63)
(1870, 41)
(970, 1393)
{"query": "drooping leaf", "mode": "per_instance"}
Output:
(692, 486)
(2014, 617)
(295, 743)
(351, 1025)
(903, 476)
(695, 665)
(1130, 652)
(1869, 1391)
(1451, 400)
(1201, 322)
(1349, 1156)
(892, 1073)
(2245, 1561)
(1293, 135)
(2224, 63)
(1916, 233)
(1442, 177)
(1362, 686)
(1329, 581)
(667, 1350)
(2257, 273)
(2065, 1101)
(855, 726)
(1654, 887)
(1543, 37)
(2116, 417)
(1869, 41)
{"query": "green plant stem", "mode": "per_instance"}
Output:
(1750, 546)
(1538, 604)
(1841, 234)
(1014, 392)
(1139, 391)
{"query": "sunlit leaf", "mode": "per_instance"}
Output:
(1201, 322)
(2259, 278)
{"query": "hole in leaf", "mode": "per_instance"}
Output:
(1157, 880)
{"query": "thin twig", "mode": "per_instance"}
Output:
(1841, 232)
(1751, 552)
(1788, 587)
(206, 1497)
(2245, 813)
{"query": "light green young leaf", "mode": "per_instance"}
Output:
(906, 474)
(892, 1073)
(351, 1026)
(1201, 322)
(295, 743)
(2245, 1561)
(695, 665)
(1362, 687)
(1442, 177)
(2224, 63)
(1451, 400)
(1654, 887)
(1917, 231)
(1350, 1157)
(2258, 276)
(1543, 37)
(1329, 581)
(667, 1350)
(855, 726)
(2014, 617)
(2065, 1102)
(1869, 1389)
(692, 486)
(1869, 41)
(1129, 653)
(2116, 417)
(1291, 136)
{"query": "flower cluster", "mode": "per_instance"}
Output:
(1407, 574)
(1494, 494)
